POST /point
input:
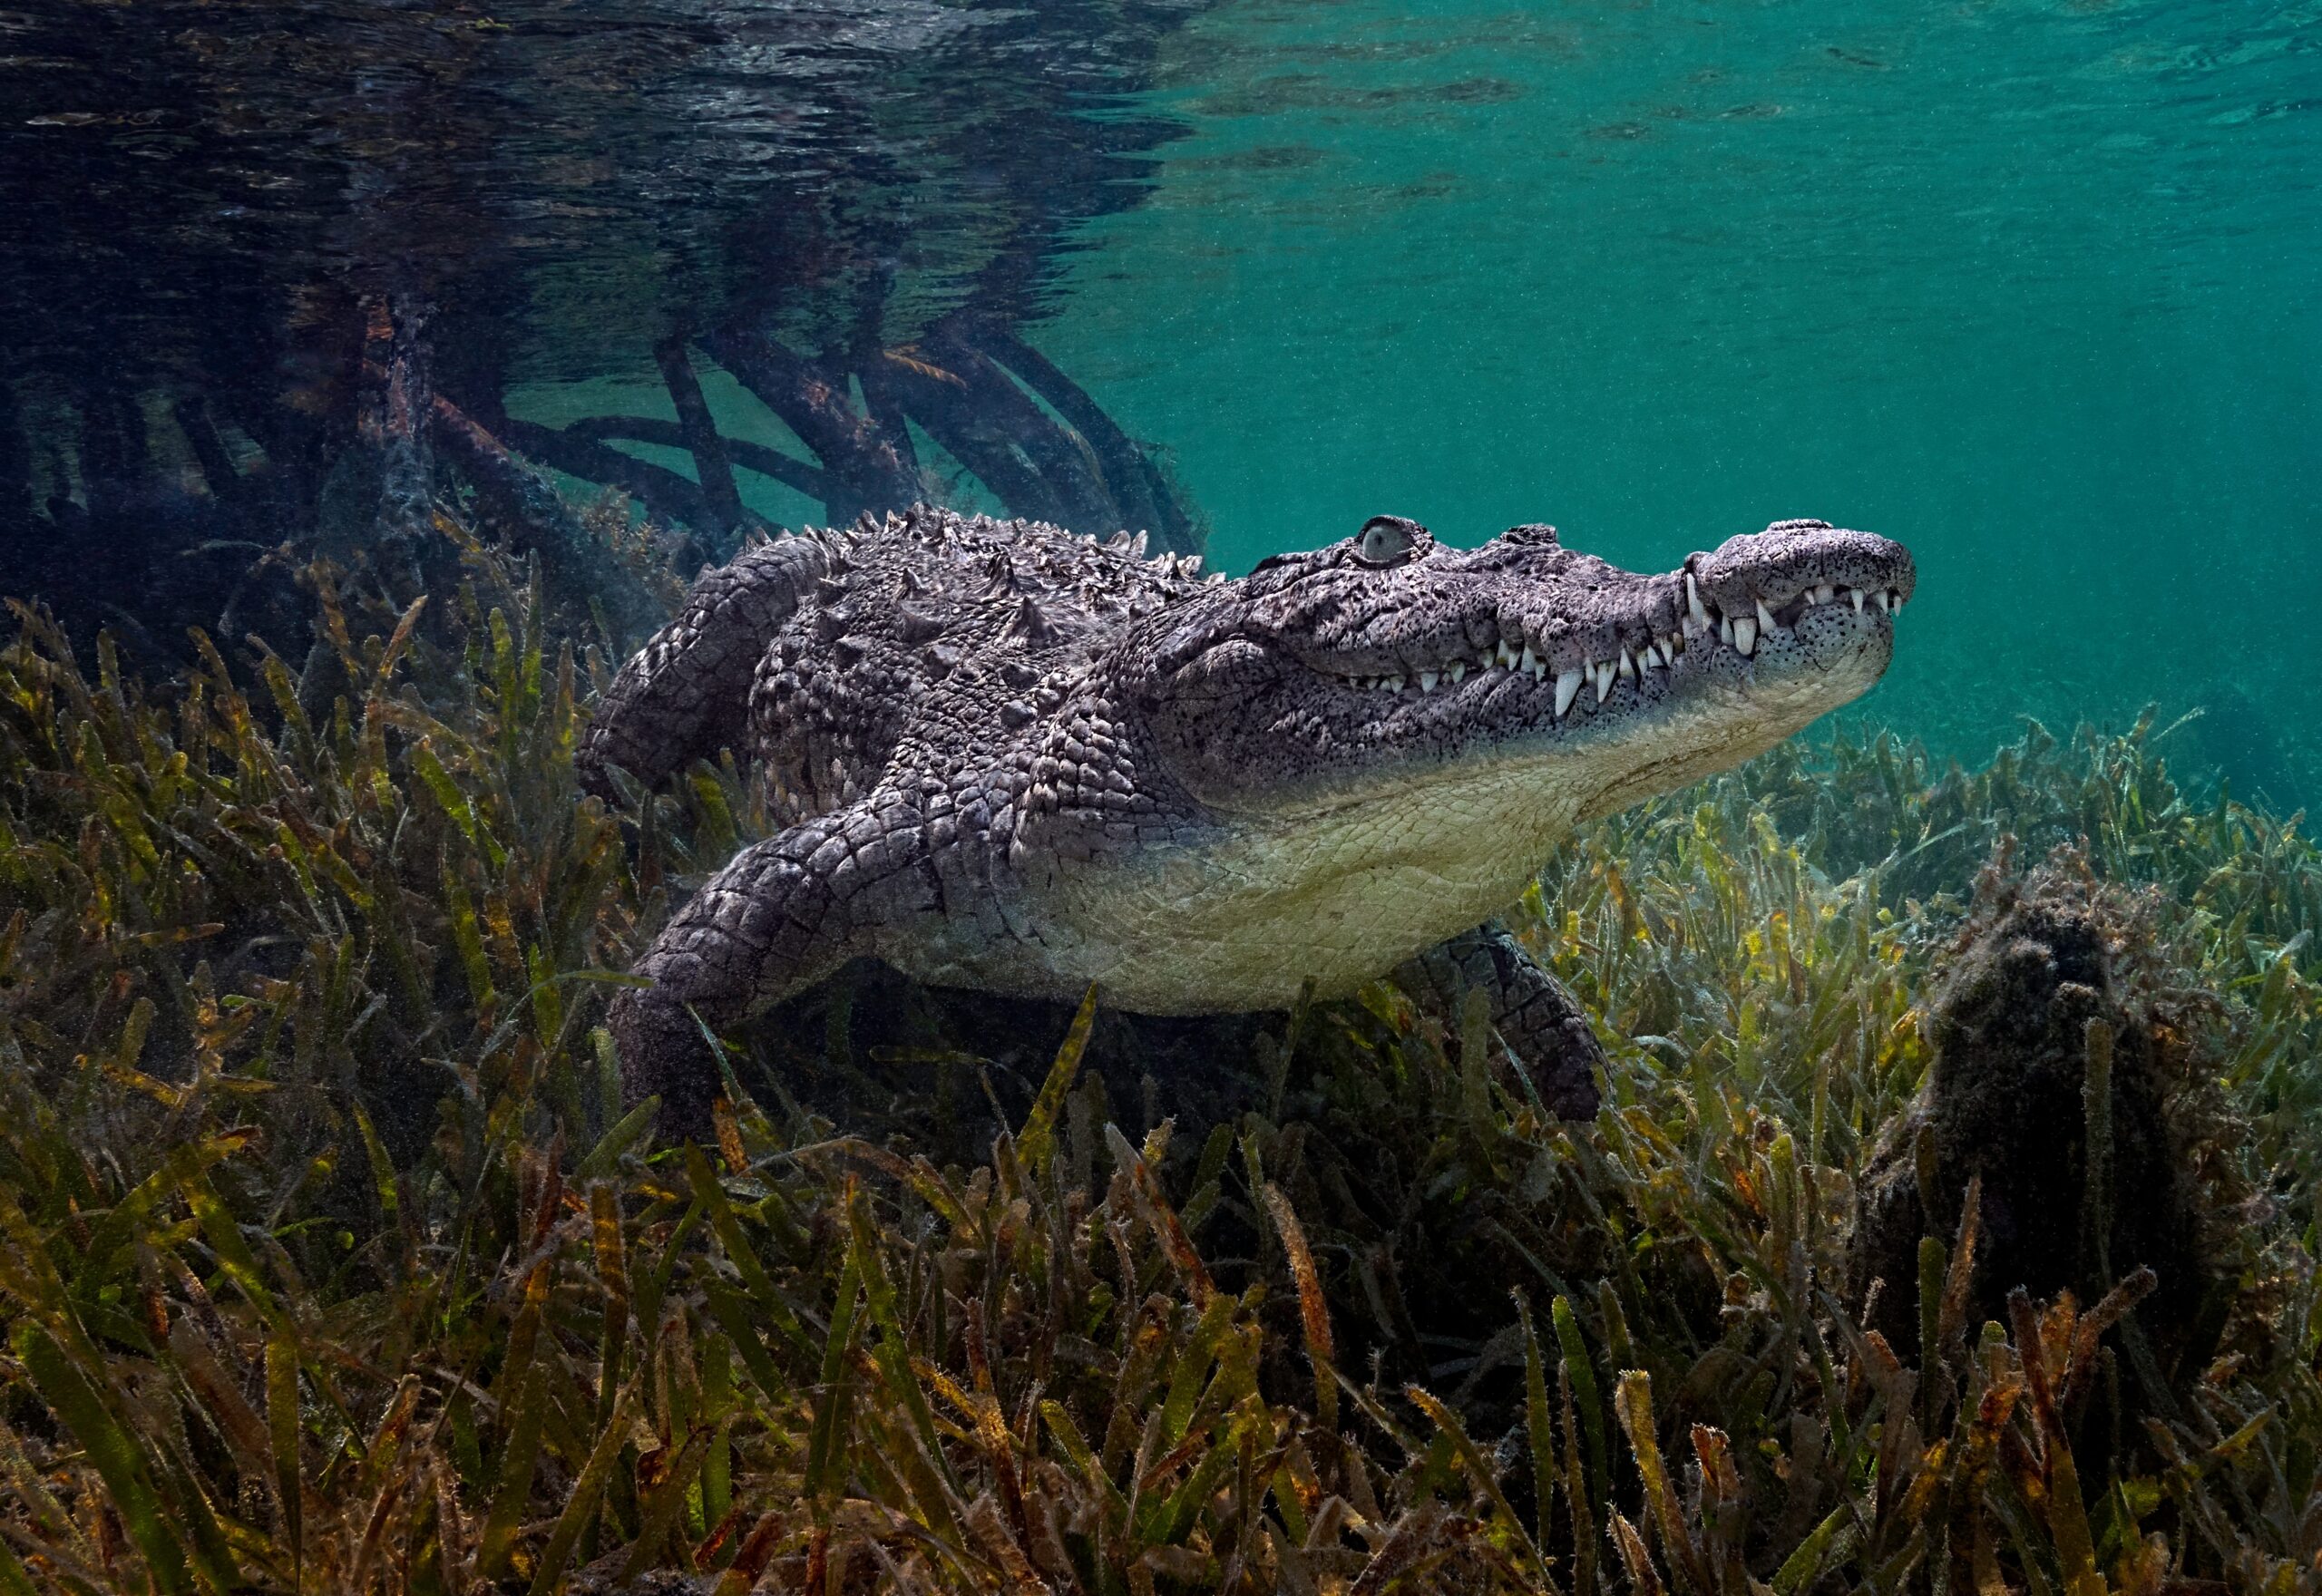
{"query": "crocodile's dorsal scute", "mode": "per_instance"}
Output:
(1008, 757)
(936, 616)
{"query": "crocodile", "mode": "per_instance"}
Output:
(1005, 757)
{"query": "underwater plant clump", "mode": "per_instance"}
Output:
(329, 1260)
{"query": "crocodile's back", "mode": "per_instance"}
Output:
(927, 625)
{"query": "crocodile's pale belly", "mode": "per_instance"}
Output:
(1242, 920)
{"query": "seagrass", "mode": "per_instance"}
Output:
(330, 1262)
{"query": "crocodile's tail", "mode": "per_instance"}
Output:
(685, 693)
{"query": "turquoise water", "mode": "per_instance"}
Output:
(2031, 286)
(2035, 288)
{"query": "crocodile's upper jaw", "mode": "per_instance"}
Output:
(1388, 665)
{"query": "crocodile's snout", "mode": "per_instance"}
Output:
(1394, 656)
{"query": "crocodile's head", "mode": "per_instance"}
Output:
(1390, 666)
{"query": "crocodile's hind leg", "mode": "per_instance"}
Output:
(1540, 1022)
(783, 914)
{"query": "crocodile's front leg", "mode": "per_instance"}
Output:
(1540, 1022)
(783, 914)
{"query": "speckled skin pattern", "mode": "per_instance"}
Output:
(1010, 758)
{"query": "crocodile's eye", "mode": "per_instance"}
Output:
(1388, 539)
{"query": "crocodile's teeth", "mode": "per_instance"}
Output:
(1567, 689)
(1458, 672)
(1604, 669)
(1885, 605)
(1855, 593)
(1725, 630)
(1529, 662)
(1896, 607)
(1745, 636)
(1693, 610)
(1627, 665)
(1426, 680)
(1765, 617)
(1503, 656)
(1825, 593)
(1393, 684)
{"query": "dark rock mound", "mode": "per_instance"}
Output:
(2065, 1082)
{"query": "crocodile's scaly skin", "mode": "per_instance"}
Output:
(1014, 759)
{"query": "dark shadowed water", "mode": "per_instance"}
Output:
(2031, 285)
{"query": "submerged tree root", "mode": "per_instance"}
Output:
(360, 456)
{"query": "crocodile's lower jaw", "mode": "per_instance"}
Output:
(1737, 708)
(1249, 909)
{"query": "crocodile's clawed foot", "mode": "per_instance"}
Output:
(1560, 1054)
(664, 1054)
(1541, 1023)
